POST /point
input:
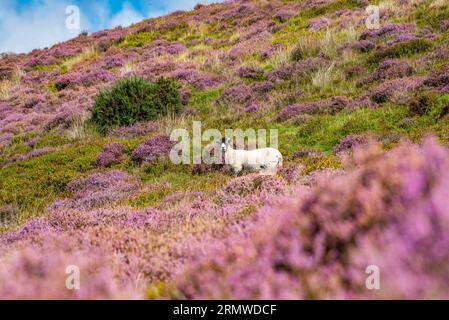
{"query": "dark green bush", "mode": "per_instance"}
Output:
(402, 49)
(132, 100)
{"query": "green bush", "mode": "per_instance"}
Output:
(132, 100)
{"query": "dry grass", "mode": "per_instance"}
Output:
(323, 76)
(280, 58)
(88, 53)
(7, 85)
(129, 67)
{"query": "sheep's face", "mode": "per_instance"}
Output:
(224, 147)
(224, 143)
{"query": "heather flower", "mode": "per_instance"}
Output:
(283, 15)
(364, 45)
(239, 93)
(200, 80)
(6, 139)
(388, 30)
(253, 107)
(185, 96)
(307, 153)
(316, 24)
(68, 114)
(298, 69)
(98, 189)
(394, 89)
(42, 60)
(249, 72)
(444, 25)
(285, 72)
(350, 142)
(152, 149)
(33, 141)
(115, 62)
(136, 130)
(438, 79)
(390, 69)
(268, 53)
(331, 106)
(22, 157)
(319, 242)
(355, 71)
(263, 87)
(112, 154)
(40, 273)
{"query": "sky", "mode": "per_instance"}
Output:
(32, 24)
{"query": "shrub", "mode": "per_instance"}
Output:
(132, 100)
(111, 154)
(152, 149)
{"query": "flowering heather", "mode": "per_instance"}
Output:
(115, 62)
(249, 72)
(297, 69)
(283, 15)
(394, 89)
(438, 79)
(253, 107)
(5, 139)
(364, 45)
(331, 232)
(350, 142)
(40, 273)
(196, 231)
(239, 93)
(22, 157)
(394, 30)
(98, 189)
(444, 25)
(42, 60)
(307, 153)
(111, 154)
(152, 149)
(318, 24)
(331, 106)
(268, 53)
(75, 78)
(136, 130)
(67, 115)
(200, 80)
(390, 69)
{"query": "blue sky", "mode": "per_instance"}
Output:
(30, 24)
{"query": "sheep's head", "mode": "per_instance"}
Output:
(224, 143)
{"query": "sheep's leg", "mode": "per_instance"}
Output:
(237, 169)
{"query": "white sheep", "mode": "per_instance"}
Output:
(265, 160)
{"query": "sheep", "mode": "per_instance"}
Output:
(264, 161)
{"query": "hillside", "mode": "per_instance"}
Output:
(363, 124)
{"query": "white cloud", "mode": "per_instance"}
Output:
(43, 22)
(41, 26)
(125, 17)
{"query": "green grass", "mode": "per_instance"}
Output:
(137, 40)
(33, 184)
(325, 131)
